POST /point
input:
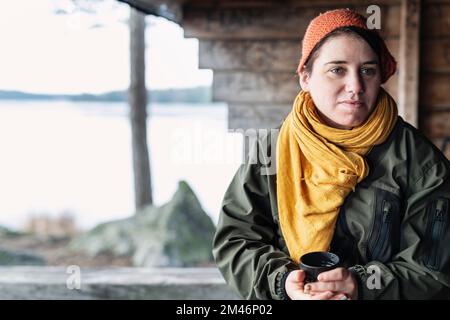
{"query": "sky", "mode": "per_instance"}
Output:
(45, 52)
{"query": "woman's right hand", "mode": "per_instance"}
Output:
(294, 287)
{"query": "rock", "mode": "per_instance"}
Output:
(16, 257)
(5, 232)
(20, 258)
(177, 234)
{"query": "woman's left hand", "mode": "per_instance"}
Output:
(338, 280)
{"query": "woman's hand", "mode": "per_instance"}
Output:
(338, 280)
(295, 286)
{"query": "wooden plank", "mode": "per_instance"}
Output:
(436, 124)
(392, 87)
(252, 87)
(436, 20)
(247, 116)
(439, 1)
(113, 283)
(278, 22)
(169, 9)
(393, 45)
(408, 91)
(434, 90)
(279, 87)
(435, 55)
(257, 55)
(242, 23)
(293, 3)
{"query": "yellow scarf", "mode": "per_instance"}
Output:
(318, 166)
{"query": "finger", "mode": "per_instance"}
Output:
(337, 274)
(298, 295)
(340, 296)
(301, 276)
(324, 286)
(327, 295)
(295, 280)
(296, 276)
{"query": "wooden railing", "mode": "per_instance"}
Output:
(113, 283)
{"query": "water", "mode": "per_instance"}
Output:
(76, 156)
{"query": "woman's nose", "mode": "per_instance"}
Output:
(354, 84)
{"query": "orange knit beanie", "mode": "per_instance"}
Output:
(329, 21)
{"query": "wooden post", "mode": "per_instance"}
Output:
(137, 96)
(408, 85)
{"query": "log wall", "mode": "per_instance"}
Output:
(254, 47)
(434, 101)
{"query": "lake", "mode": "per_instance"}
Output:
(61, 156)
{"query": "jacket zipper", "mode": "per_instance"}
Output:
(385, 226)
(437, 226)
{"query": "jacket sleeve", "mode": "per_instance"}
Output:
(244, 246)
(421, 269)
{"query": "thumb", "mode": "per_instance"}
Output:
(296, 276)
(301, 276)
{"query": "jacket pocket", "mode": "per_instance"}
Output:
(437, 222)
(384, 238)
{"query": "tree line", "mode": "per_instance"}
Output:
(201, 94)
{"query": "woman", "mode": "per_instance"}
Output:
(352, 178)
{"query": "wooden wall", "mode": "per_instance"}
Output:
(434, 107)
(253, 48)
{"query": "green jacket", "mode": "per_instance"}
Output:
(397, 219)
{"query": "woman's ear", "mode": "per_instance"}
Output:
(303, 79)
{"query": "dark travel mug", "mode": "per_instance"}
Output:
(314, 263)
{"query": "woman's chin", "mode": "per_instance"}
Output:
(345, 120)
(347, 125)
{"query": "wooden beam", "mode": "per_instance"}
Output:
(257, 55)
(392, 87)
(436, 19)
(277, 22)
(255, 87)
(435, 55)
(292, 3)
(137, 96)
(169, 9)
(249, 55)
(436, 124)
(252, 116)
(434, 90)
(408, 87)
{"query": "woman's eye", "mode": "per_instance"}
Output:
(337, 70)
(368, 71)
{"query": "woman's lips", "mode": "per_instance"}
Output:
(352, 104)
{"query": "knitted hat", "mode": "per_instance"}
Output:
(329, 21)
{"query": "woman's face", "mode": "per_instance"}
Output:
(344, 81)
